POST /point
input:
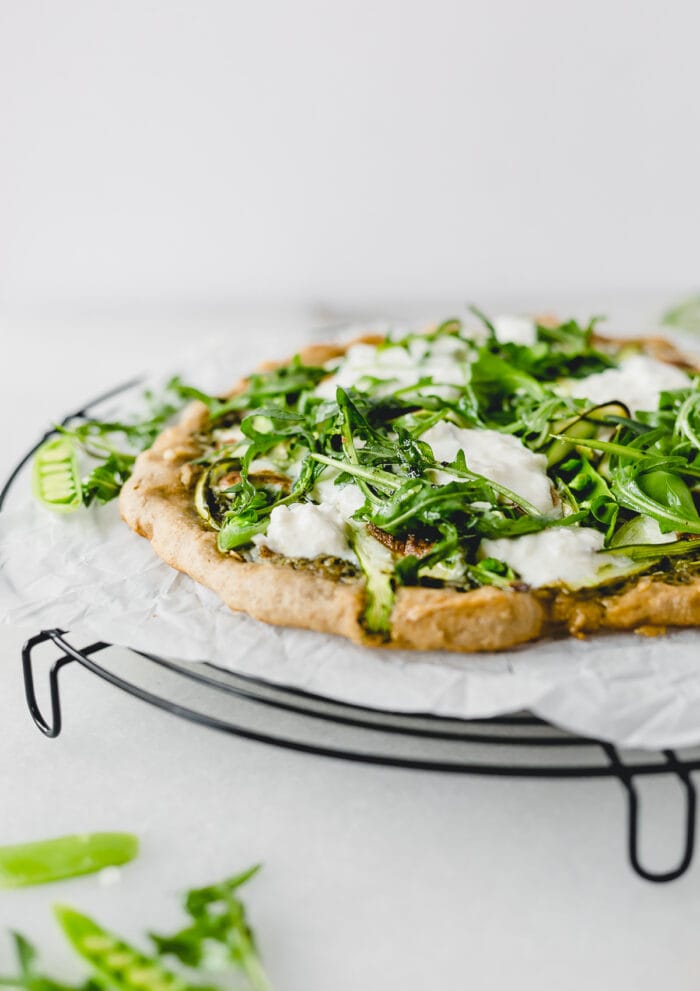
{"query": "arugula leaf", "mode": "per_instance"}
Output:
(687, 423)
(588, 493)
(219, 933)
(659, 494)
(105, 481)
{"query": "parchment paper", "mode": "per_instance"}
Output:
(89, 574)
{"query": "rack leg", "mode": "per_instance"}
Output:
(52, 726)
(626, 777)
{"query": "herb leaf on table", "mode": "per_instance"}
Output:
(219, 934)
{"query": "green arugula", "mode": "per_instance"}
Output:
(57, 480)
(219, 933)
(606, 466)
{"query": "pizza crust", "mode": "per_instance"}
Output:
(157, 504)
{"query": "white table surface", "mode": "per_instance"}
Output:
(373, 878)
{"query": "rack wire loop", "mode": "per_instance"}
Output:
(49, 727)
(626, 777)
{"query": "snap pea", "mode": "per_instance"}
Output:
(567, 435)
(119, 965)
(65, 856)
(56, 478)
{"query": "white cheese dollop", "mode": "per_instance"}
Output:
(345, 499)
(637, 382)
(563, 554)
(306, 530)
(515, 329)
(445, 360)
(499, 457)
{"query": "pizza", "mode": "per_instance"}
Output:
(465, 488)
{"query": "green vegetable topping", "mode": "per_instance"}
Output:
(65, 856)
(422, 520)
(217, 937)
(351, 437)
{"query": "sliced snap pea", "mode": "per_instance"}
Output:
(56, 478)
(66, 856)
(122, 967)
(585, 427)
(204, 499)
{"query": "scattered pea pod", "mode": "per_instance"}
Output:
(119, 965)
(66, 856)
(56, 478)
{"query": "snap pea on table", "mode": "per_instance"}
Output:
(66, 856)
(217, 935)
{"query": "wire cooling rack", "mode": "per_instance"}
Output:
(513, 746)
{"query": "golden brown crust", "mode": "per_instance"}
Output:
(656, 347)
(648, 603)
(485, 619)
(157, 504)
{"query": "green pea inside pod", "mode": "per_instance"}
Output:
(55, 476)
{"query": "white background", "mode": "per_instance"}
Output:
(209, 151)
(170, 168)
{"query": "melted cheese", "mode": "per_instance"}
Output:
(561, 555)
(499, 457)
(515, 330)
(445, 360)
(638, 383)
(345, 499)
(307, 531)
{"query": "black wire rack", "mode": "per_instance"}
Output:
(513, 746)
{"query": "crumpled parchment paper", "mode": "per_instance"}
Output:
(89, 574)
